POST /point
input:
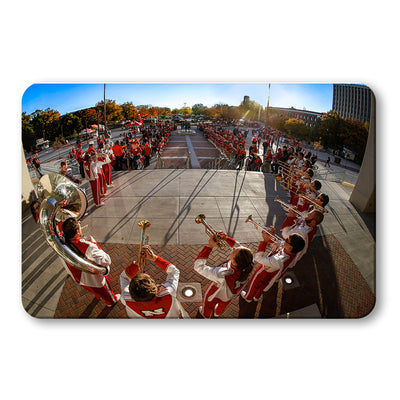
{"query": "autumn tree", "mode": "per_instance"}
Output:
(88, 116)
(113, 111)
(297, 128)
(163, 111)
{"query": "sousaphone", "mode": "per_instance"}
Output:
(61, 199)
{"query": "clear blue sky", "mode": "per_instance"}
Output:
(72, 97)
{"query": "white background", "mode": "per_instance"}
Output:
(210, 41)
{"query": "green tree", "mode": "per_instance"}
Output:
(46, 124)
(329, 130)
(354, 137)
(28, 132)
(129, 111)
(199, 109)
(71, 124)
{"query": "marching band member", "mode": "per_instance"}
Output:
(91, 175)
(65, 171)
(273, 266)
(227, 279)
(305, 227)
(107, 169)
(310, 191)
(99, 285)
(143, 298)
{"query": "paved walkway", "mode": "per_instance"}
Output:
(335, 279)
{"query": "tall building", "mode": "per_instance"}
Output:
(352, 101)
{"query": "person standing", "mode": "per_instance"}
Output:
(91, 149)
(92, 176)
(36, 165)
(227, 279)
(328, 162)
(143, 298)
(79, 158)
(105, 159)
(119, 154)
(147, 154)
(97, 284)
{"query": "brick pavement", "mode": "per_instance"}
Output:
(327, 277)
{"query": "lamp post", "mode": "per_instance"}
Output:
(105, 116)
(98, 126)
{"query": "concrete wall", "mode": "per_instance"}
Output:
(364, 193)
(27, 189)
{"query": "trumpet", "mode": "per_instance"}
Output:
(211, 232)
(144, 224)
(316, 205)
(274, 238)
(287, 207)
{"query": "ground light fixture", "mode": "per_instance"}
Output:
(189, 292)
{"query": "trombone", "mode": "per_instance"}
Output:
(288, 207)
(144, 224)
(274, 238)
(211, 232)
(316, 205)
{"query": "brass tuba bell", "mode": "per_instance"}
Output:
(62, 199)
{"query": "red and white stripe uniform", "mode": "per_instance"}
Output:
(97, 284)
(91, 175)
(225, 282)
(107, 167)
(100, 172)
(271, 268)
(164, 305)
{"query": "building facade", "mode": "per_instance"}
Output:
(352, 101)
(309, 117)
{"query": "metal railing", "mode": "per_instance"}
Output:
(187, 162)
(336, 176)
(160, 162)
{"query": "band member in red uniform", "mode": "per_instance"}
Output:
(143, 298)
(67, 173)
(273, 266)
(227, 279)
(92, 176)
(97, 284)
(91, 149)
(306, 227)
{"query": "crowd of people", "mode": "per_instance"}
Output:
(243, 273)
(259, 156)
(129, 152)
